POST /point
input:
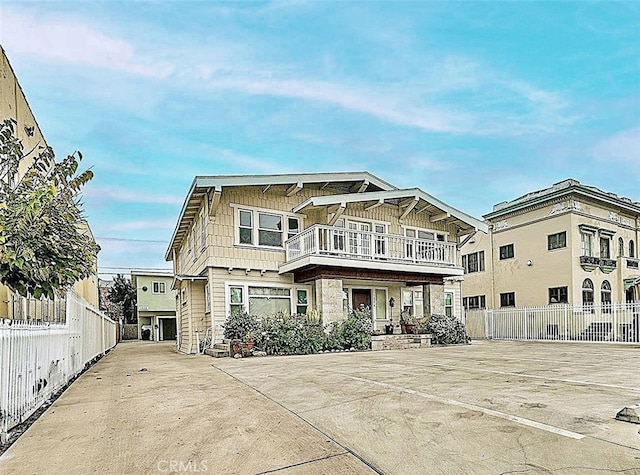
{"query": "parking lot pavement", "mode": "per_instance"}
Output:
(145, 409)
(491, 407)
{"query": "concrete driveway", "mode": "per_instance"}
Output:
(488, 408)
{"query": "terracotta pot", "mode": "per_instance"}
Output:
(409, 328)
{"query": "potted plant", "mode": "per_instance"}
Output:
(407, 322)
(249, 340)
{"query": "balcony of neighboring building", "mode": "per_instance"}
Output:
(330, 246)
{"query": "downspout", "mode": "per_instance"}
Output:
(492, 275)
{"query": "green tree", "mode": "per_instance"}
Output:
(123, 293)
(45, 246)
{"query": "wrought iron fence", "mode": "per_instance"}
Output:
(615, 322)
(38, 358)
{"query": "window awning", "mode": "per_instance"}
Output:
(631, 282)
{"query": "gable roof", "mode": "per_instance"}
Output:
(357, 182)
(410, 199)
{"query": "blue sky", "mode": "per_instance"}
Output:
(474, 102)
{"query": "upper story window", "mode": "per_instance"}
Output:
(557, 240)
(586, 240)
(632, 250)
(506, 252)
(605, 247)
(424, 234)
(203, 229)
(473, 262)
(159, 288)
(620, 247)
(264, 228)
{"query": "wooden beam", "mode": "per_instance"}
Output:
(264, 190)
(439, 217)
(360, 187)
(335, 212)
(423, 209)
(412, 204)
(380, 202)
(214, 202)
(293, 189)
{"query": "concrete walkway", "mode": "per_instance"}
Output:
(144, 409)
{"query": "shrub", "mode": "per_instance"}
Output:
(354, 332)
(238, 324)
(283, 334)
(446, 330)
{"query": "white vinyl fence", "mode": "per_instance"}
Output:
(37, 359)
(616, 322)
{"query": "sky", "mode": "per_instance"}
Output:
(473, 102)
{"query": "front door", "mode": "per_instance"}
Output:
(168, 328)
(361, 298)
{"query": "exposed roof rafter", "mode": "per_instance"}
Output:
(293, 189)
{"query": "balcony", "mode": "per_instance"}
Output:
(321, 245)
(633, 263)
(590, 263)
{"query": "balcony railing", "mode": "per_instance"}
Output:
(344, 243)
(606, 265)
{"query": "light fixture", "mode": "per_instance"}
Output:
(529, 262)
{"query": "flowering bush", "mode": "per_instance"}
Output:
(290, 335)
(354, 332)
(238, 324)
(445, 330)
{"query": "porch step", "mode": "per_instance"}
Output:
(217, 352)
(399, 342)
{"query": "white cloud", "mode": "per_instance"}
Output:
(623, 147)
(59, 40)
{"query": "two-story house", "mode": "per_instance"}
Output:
(569, 243)
(323, 241)
(155, 304)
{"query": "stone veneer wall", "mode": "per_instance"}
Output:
(329, 300)
(433, 299)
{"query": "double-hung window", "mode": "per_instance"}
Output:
(586, 239)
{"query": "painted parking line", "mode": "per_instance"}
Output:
(472, 407)
(533, 376)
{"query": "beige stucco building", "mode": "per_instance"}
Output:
(328, 242)
(156, 305)
(569, 243)
(13, 104)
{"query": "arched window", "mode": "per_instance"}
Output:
(632, 249)
(605, 296)
(587, 295)
(620, 247)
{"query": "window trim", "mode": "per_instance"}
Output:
(507, 246)
(255, 226)
(160, 284)
(481, 262)
(550, 236)
(559, 288)
(506, 294)
(293, 294)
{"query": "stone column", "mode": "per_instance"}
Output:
(433, 295)
(329, 300)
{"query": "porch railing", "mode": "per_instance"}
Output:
(38, 358)
(319, 240)
(615, 322)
